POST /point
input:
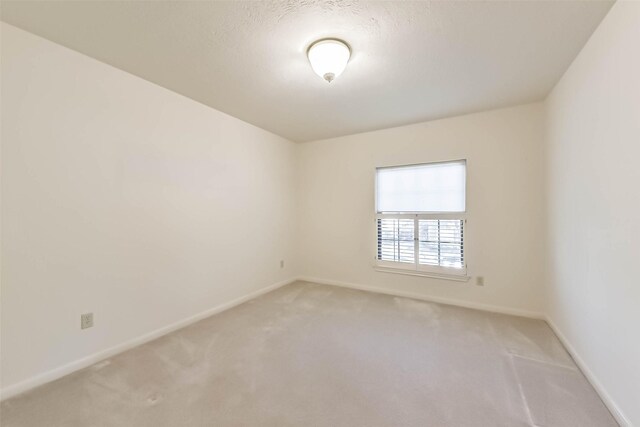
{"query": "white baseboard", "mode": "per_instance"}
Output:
(76, 365)
(440, 300)
(597, 385)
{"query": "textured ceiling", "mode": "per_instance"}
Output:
(412, 61)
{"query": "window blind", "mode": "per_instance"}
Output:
(396, 240)
(441, 242)
(434, 187)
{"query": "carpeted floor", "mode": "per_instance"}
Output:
(315, 355)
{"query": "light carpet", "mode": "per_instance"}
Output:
(316, 355)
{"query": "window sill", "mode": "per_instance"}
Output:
(453, 277)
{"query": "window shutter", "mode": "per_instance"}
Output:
(441, 242)
(396, 241)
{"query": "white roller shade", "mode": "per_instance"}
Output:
(435, 187)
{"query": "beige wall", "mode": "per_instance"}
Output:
(594, 202)
(505, 209)
(127, 200)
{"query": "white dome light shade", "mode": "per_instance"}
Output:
(329, 58)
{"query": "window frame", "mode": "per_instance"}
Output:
(415, 268)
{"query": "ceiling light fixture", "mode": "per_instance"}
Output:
(328, 58)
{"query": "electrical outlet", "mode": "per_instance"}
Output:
(86, 320)
(480, 280)
(281, 263)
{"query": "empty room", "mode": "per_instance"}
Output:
(320, 213)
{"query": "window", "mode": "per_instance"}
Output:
(420, 217)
